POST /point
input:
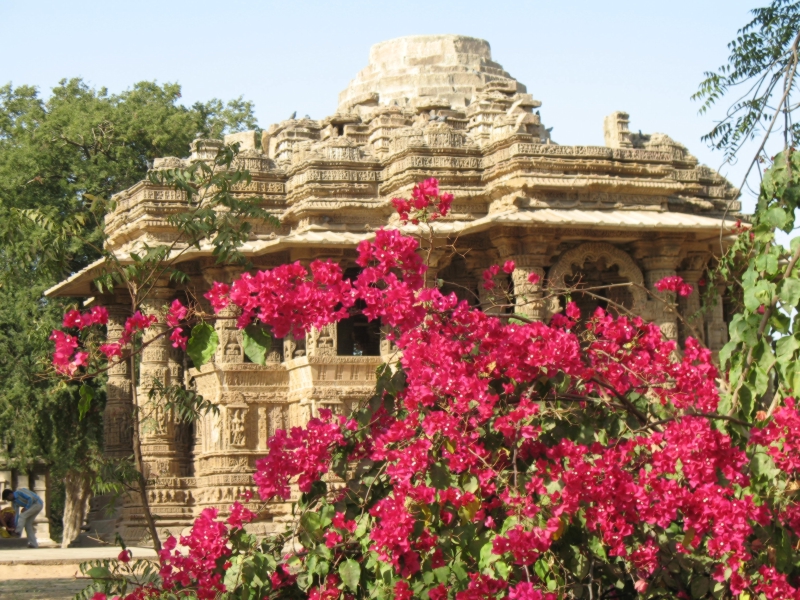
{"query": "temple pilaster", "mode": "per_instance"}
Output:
(660, 259)
(716, 327)
(158, 367)
(119, 402)
(692, 273)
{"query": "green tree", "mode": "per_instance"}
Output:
(59, 156)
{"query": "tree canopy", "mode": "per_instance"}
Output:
(63, 156)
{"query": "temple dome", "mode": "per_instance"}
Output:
(437, 69)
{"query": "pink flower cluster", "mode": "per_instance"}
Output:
(303, 452)
(203, 565)
(134, 324)
(177, 312)
(97, 315)
(67, 359)
(427, 203)
(674, 284)
(287, 298)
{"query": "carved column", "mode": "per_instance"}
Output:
(388, 346)
(229, 350)
(117, 435)
(39, 484)
(489, 298)
(293, 348)
(531, 254)
(662, 311)
(692, 273)
(660, 259)
(159, 443)
(716, 328)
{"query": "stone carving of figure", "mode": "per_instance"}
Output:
(237, 426)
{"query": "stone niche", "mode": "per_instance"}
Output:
(630, 212)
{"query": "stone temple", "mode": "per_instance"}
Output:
(635, 210)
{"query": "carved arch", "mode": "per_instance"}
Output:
(593, 251)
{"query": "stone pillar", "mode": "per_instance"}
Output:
(716, 328)
(117, 436)
(229, 350)
(660, 259)
(159, 444)
(293, 348)
(692, 273)
(435, 264)
(527, 295)
(40, 484)
(615, 130)
(489, 299)
(662, 307)
(389, 351)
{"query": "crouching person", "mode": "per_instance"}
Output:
(27, 505)
(8, 522)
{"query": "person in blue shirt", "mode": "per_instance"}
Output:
(27, 505)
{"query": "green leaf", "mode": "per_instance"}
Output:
(256, 343)
(439, 476)
(725, 353)
(758, 295)
(790, 291)
(350, 572)
(596, 546)
(310, 522)
(487, 555)
(87, 395)
(785, 349)
(699, 587)
(202, 344)
(776, 217)
(762, 465)
(542, 569)
(99, 573)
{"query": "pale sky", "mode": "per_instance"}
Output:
(583, 59)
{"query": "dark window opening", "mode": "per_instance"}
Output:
(600, 283)
(356, 336)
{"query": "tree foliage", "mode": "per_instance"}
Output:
(61, 156)
(760, 75)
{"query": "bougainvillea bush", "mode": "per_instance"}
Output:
(498, 458)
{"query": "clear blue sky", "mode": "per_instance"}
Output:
(582, 58)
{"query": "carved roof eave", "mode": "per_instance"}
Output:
(329, 164)
(80, 284)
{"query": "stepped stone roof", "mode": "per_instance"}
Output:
(407, 70)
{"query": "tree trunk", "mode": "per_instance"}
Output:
(77, 491)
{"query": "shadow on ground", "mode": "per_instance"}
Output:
(41, 589)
